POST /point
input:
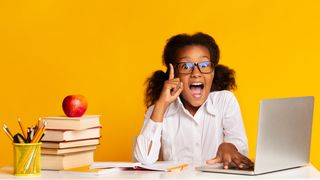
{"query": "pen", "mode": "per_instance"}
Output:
(18, 138)
(41, 137)
(178, 167)
(22, 129)
(31, 134)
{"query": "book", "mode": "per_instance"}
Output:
(72, 123)
(66, 161)
(85, 170)
(159, 166)
(70, 135)
(66, 150)
(69, 144)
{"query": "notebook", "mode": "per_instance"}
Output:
(159, 166)
(86, 171)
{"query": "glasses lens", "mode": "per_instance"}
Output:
(185, 67)
(205, 67)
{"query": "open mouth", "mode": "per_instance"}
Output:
(196, 89)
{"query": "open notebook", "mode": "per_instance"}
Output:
(102, 168)
(159, 166)
(86, 170)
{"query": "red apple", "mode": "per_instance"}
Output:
(74, 105)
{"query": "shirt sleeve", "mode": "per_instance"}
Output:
(150, 134)
(233, 127)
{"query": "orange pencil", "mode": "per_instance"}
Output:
(24, 132)
(40, 123)
(37, 138)
(39, 133)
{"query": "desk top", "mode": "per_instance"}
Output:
(190, 173)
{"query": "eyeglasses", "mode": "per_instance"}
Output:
(188, 67)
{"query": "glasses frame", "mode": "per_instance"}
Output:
(195, 65)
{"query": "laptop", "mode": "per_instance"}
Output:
(284, 137)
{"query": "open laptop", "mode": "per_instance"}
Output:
(284, 136)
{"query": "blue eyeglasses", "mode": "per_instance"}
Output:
(188, 67)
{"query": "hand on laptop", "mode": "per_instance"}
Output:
(229, 155)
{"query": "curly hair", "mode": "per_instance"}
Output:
(224, 78)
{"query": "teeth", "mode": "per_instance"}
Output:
(196, 84)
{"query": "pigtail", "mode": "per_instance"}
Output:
(154, 87)
(224, 78)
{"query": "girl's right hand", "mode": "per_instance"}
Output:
(170, 91)
(171, 88)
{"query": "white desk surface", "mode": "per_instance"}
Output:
(189, 172)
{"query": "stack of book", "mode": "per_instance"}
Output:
(69, 142)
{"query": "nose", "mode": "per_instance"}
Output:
(196, 72)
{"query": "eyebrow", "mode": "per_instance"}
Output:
(184, 57)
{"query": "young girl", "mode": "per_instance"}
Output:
(192, 116)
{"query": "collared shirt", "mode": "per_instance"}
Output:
(183, 137)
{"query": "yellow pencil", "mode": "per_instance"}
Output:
(24, 132)
(178, 167)
(40, 122)
(37, 138)
(39, 133)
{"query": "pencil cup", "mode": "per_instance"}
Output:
(26, 159)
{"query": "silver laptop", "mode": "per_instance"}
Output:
(284, 136)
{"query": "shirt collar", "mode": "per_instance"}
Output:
(174, 107)
(210, 107)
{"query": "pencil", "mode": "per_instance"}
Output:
(7, 130)
(22, 129)
(39, 133)
(7, 133)
(40, 123)
(177, 167)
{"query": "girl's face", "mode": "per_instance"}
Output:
(196, 85)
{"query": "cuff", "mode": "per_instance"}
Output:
(152, 130)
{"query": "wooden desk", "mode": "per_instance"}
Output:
(188, 173)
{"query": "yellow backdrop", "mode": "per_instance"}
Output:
(106, 49)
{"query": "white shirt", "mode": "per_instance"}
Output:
(183, 137)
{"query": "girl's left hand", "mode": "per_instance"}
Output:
(229, 155)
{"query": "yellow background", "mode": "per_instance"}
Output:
(106, 49)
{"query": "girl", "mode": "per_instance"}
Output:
(192, 116)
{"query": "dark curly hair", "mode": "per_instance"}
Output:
(224, 78)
